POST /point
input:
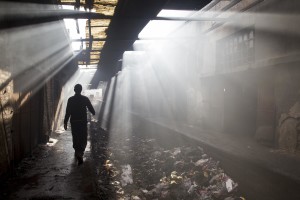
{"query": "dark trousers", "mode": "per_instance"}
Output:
(79, 133)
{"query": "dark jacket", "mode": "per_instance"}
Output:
(76, 108)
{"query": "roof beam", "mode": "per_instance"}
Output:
(83, 4)
(100, 39)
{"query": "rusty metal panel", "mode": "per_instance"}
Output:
(100, 22)
(21, 117)
(3, 149)
(106, 10)
(112, 2)
(16, 136)
(25, 129)
(6, 112)
(265, 105)
(35, 119)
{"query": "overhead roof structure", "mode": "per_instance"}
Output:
(117, 26)
(112, 26)
(130, 17)
(95, 29)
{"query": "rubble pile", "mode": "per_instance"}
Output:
(136, 168)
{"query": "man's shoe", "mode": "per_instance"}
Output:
(80, 160)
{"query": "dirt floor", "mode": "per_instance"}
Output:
(143, 165)
(52, 173)
(119, 166)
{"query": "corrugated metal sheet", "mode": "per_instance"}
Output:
(67, 1)
(103, 9)
(97, 45)
(97, 56)
(97, 32)
(6, 113)
(112, 2)
(100, 22)
(95, 28)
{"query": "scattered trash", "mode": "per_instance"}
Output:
(192, 189)
(140, 169)
(201, 162)
(229, 185)
(126, 175)
(135, 198)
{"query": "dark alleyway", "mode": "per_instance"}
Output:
(158, 170)
(193, 99)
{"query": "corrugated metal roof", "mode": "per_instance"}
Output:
(95, 29)
(104, 9)
(96, 32)
(100, 22)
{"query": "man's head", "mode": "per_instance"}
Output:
(78, 88)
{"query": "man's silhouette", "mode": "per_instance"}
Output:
(76, 108)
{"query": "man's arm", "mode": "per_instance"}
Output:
(90, 106)
(67, 115)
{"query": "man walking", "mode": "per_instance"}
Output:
(76, 109)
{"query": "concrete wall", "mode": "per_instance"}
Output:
(270, 84)
(287, 101)
(245, 96)
(237, 76)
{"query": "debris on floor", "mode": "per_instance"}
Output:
(51, 172)
(138, 168)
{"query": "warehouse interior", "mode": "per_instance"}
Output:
(221, 76)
